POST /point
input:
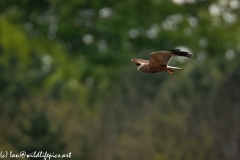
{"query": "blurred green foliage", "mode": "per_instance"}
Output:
(67, 83)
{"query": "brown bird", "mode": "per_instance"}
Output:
(159, 61)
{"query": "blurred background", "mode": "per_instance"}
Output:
(67, 83)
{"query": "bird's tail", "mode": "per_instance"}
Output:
(171, 69)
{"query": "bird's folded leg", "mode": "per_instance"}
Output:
(170, 71)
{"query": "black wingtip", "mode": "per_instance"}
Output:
(180, 53)
(174, 50)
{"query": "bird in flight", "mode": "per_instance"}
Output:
(159, 61)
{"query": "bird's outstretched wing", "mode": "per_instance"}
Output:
(160, 58)
(139, 61)
(157, 59)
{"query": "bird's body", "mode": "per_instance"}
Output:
(159, 61)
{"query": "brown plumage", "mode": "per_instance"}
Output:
(159, 61)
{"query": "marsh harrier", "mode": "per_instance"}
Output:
(159, 61)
